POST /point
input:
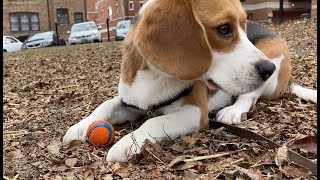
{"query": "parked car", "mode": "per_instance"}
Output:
(11, 44)
(305, 16)
(84, 32)
(122, 29)
(39, 40)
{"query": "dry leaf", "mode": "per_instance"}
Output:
(57, 177)
(54, 147)
(36, 163)
(189, 139)
(308, 143)
(151, 150)
(123, 172)
(96, 164)
(177, 147)
(56, 161)
(190, 175)
(282, 157)
(178, 163)
(293, 172)
(16, 154)
(251, 175)
(107, 177)
(71, 162)
(74, 145)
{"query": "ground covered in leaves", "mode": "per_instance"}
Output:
(48, 90)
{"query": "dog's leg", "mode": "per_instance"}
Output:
(232, 114)
(178, 120)
(304, 93)
(111, 110)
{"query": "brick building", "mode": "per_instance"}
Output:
(92, 10)
(314, 8)
(114, 10)
(26, 17)
(268, 10)
(257, 10)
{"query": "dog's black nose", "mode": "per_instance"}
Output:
(265, 69)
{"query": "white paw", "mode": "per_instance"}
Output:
(230, 115)
(127, 146)
(75, 132)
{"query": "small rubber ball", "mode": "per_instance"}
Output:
(100, 133)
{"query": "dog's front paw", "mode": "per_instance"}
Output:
(75, 132)
(128, 146)
(230, 115)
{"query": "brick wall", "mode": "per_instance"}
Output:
(117, 14)
(73, 6)
(40, 7)
(92, 13)
(314, 8)
(25, 6)
(261, 9)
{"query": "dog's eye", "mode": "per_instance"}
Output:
(224, 30)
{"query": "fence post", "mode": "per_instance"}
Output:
(56, 24)
(108, 29)
(281, 12)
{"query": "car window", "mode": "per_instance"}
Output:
(39, 36)
(83, 27)
(124, 24)
(10, 40)
(121, 26)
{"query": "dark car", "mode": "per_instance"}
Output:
(39, 40)
(305, 16)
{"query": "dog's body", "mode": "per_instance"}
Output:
(171, 57)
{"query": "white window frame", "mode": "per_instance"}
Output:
(131, 5)
(141, 3)
(109, 10)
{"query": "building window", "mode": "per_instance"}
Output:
(102, 13)
(62, 16)
(78, 17)
(109, 13)
(141, 3)
(24, 21)
(117, 8)
(131, 6)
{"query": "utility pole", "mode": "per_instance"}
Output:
(49, 18)
(108, 29)
(57, 32)
(281, 12)
(122, 9)
(85, 10)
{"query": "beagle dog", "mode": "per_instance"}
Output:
(184, 58)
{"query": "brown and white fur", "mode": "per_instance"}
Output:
(176, 44)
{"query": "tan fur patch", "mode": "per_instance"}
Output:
(132, 61)
(170, 38)
(215, 13)
(272, 48)
(199, 97)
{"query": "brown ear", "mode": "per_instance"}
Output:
(169, 37)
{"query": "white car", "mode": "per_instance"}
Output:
(11, 44)
(122, 29)
(84, 33)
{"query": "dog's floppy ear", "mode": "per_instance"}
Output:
(170, 38)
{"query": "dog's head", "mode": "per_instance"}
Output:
(202, 39)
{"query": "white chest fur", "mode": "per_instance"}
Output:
(150, 88)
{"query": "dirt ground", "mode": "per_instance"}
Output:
(48, 90)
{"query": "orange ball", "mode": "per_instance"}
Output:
(100, 133)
